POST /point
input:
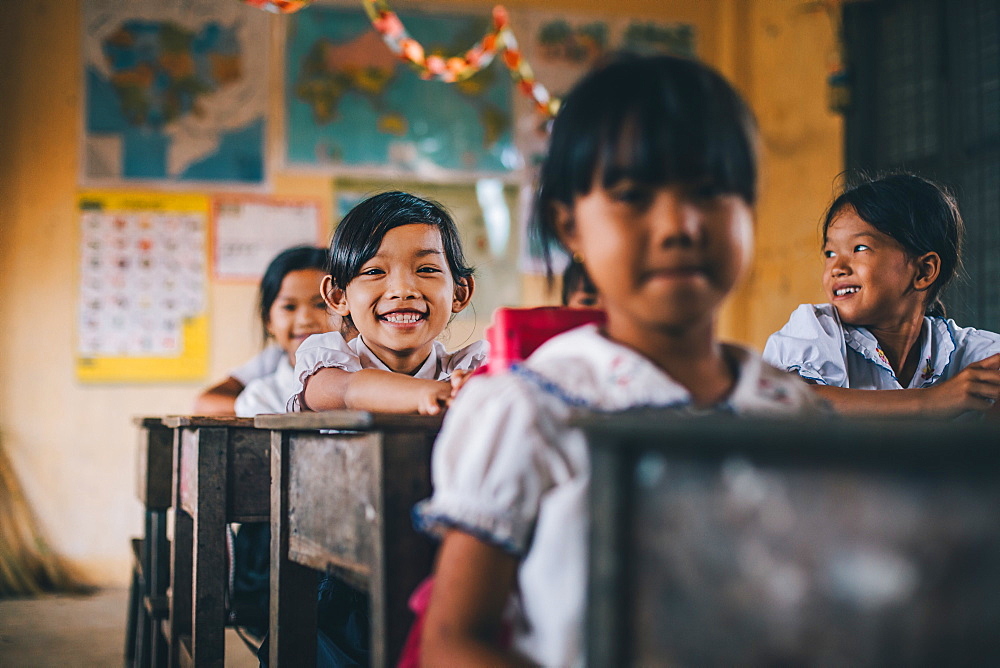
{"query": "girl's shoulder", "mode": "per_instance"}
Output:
(327, 340)
(960, 345)
(468, 358)
(812, 320)
(268, 394)
(763, 390)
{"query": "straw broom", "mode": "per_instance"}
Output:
(28, 566)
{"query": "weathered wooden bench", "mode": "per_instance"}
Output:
(723, 541)
(222, 475)
(145, 645)
(341, 503)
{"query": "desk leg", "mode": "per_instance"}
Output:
(209, 550)
(157, 557)
(180, 582)
(135, 624)
(292, 627)
(393, 577)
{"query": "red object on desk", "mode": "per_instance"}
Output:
(515, 333)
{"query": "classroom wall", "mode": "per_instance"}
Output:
(72, 444)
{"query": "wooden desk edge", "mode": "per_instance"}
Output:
(147, 421)
(347, 421)
(175, 421)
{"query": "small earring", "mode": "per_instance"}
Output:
(578, 258)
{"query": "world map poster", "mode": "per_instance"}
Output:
(354, 106)
(175, 90)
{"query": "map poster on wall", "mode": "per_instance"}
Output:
(563, 47)
(142, 311)
(353, 107)
(174, 91)
(249, 231)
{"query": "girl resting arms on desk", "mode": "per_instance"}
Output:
(891, 245)
(287, 280)
(291, 310)
(395, 273)
(649, 182)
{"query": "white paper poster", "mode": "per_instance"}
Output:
(250, 231)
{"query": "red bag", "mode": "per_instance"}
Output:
(516, 332)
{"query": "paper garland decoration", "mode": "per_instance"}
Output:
(442, 68)
(457, 68)
(279, 6)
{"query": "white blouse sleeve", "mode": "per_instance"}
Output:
(491, 464)
(260, 365)
(812, 345)
(469, 358)
(971, 345)
(256, 398)
(320, 351)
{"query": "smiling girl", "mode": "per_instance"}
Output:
(397, 274)
(890, 247)
(291, 310)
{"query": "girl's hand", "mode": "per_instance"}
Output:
(976, 388)
(458, 380)
(434, 397)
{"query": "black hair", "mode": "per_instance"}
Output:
(576, 279)
(360, 234)
(292, 259)
(918, 213)
(655, 119)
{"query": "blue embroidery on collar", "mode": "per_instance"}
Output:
(554, 389)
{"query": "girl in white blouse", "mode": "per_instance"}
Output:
(396, 274)
(649, 182)
(891, 245)
(291, 310)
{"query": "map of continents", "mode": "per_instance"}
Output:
(351, 102)
(172, 101)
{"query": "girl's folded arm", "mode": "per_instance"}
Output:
(463, 623)
(975, 388)
(862, 403)
(374, 390)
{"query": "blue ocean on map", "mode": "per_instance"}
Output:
(161, 73)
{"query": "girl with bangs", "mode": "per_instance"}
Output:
(396, 274)
(649, 183)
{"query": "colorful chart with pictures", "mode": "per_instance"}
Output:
(142, 309)
(174, 90)
(350, 103)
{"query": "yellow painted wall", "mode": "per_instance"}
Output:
(72, 445)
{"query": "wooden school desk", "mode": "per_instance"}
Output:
(340, 503)
(722, 541)
(222, 467)
(144, 642)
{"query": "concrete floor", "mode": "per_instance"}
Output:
(56, 631)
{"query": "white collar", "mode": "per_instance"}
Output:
(430, 368)
(936, 348)
(587, 370)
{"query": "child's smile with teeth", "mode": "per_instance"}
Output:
(846, 291)
(403, 317)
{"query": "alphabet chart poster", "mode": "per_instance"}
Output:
(143, 289)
